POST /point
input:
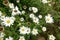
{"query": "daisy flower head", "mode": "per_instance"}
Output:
(30, 8)
(40, 16)
(25, 7)
(34, 31)
(22, 19)
(23, 12)
(15, 11)
(52, 37)
(8, 21)
(13, 18)
(50, 4)
(10, 38)
(2, 17)
(22, 30)
(21, 38)
(46, 1)
(0, 13)
(36, 20)
(2, 34)
(43, 29)
(18, 1)
(11, 5)
(34, 9)
(28, 30)
(31, 15)
(49, 19)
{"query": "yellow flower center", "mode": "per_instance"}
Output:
(8, 21)
(22, 30)
(48, 19)
(34, 30)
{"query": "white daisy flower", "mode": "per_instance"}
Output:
(10, 38)
(8, 21)
(49, 19)
(21, 38)
(2, 34)
(18, 1)
(2, 17)
(36, 20)
(1, 38)
(22, 30)
(0, 13)
(35, 10)
(13, 18)
(23, 12)
(40, 16)
(11, 5)
(44, 1)
(28, 30)
(15, 11)
(22, 19)
(31, 15)
(43, 29)
(50, 4)
(52, 37)
(30, 8)
(34, 31)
